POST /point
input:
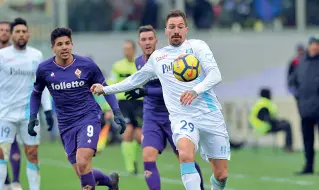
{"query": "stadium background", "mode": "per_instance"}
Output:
(249, 57)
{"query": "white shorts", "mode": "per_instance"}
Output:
(208, 132)
(9, 130)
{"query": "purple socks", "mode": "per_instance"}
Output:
(101, 179)
(88, 181)
(152, 176)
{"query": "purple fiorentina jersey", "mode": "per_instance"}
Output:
(70, 88)
(153, 105)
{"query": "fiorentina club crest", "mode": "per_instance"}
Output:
(88, 187)
(147, 174)
(78, 73)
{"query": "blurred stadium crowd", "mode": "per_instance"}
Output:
(129, 14)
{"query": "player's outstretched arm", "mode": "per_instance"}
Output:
(35, 101)
(47, 107)
(137, 79)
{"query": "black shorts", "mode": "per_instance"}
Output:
(132, 111)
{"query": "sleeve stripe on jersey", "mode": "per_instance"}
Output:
(36, 90)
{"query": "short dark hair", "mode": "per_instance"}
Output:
(60, 32)
(265, 93)
(18, 21)
(146, 28)
(176, 13)
(131, 42)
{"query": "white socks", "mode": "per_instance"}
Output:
(190, 176)
(33, 173)
(217, 185)
(3, 172)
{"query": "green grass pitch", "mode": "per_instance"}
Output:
(266, 169)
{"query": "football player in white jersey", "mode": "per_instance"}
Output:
(4, 34)
(18, 64)
(15, 157)
(195, 113)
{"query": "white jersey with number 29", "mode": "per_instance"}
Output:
(160, 65)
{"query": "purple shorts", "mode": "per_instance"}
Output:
(81, 135)
(156, 133)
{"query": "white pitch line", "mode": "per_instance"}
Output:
(61, 164)
(246, 176)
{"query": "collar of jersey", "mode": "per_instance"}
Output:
(65, 66)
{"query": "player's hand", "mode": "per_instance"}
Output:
(32, 123)
(188, 96)
(136, 94)
(97, 89)
(49, 118)
(119, 119)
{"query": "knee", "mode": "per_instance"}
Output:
(186, 155)
(4, 151)
(1, 154)
(32, 154)
(82, 163)
(221, 175)
(149, 154)
(186, 150)
(138, 135)
(129, 133)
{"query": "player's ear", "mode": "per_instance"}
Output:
(165, 31)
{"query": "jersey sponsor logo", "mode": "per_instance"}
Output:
(161, 57)
(67, 85)
(14, 71)
(167, 67)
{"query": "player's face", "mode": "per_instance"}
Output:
(129, 50)
(147, 42)
(62, 47)
(314, 48)
(4, 33)
(20, 36)
(176, 30)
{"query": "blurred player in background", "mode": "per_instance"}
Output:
(15, 157)
(293, 65)
(4, 34)
(156, 130)
(68, 78)
(132, 109)
(195, 113)
(305, 84)
(109, 128)
(18, 64)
